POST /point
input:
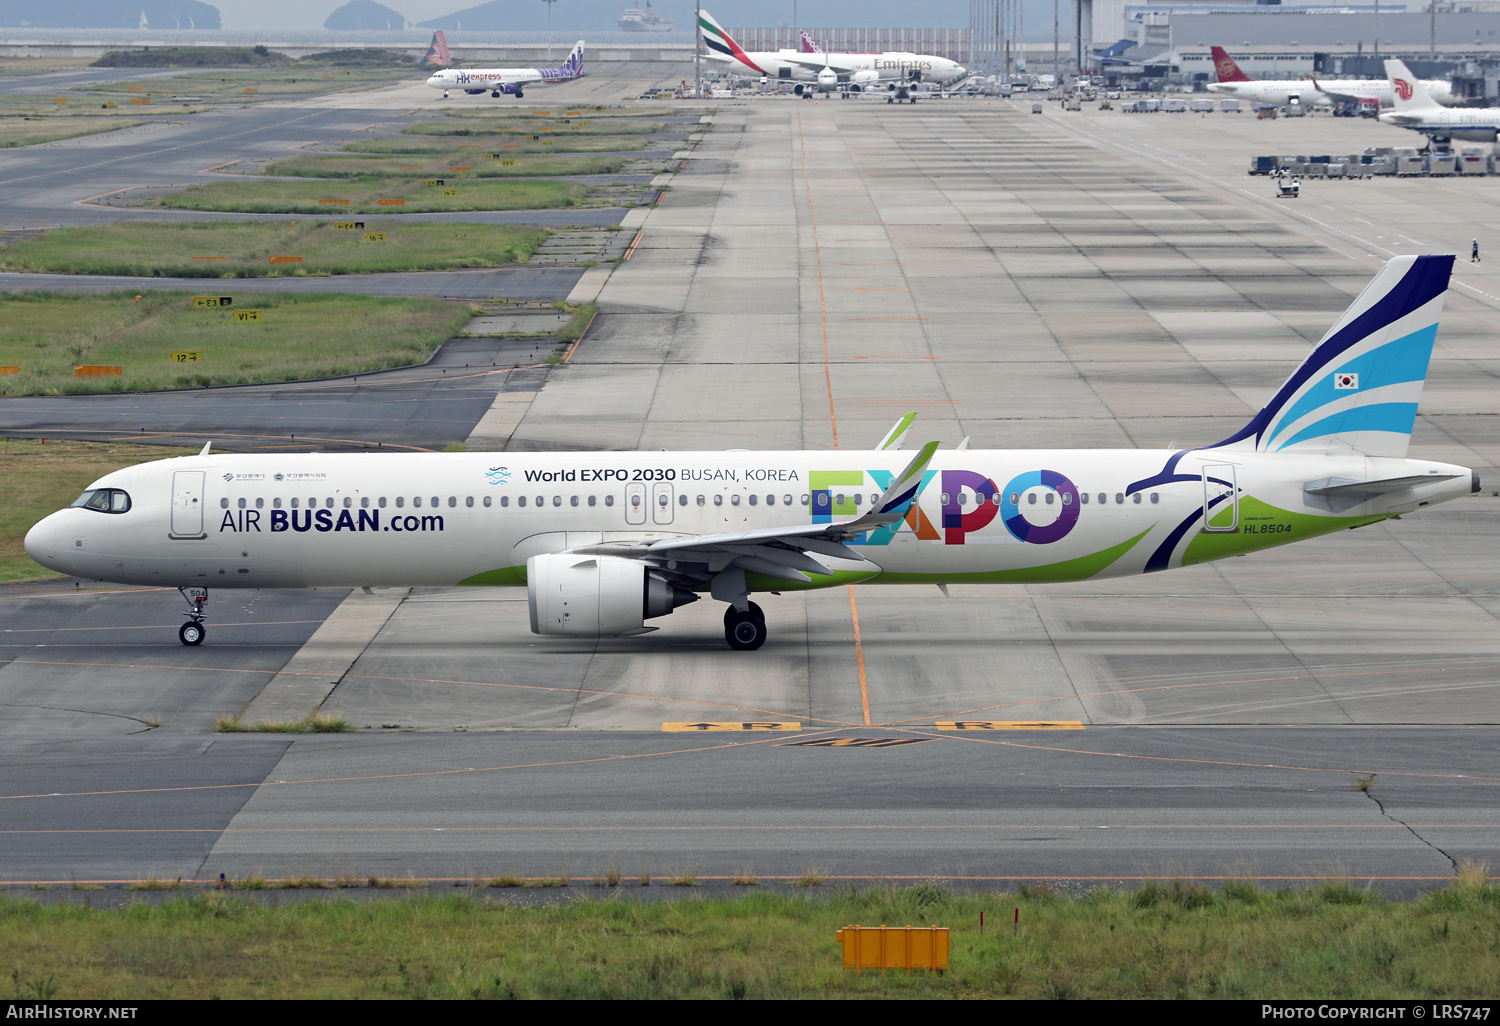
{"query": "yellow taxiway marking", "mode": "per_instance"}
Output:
(1009, 725)
(677, 728)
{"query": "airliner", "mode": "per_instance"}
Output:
(1416, 110)
(1234, 82)
(606, 541)
(848, 72)
(511, 81)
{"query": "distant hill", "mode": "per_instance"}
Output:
(495, 16)
(128, 14)
(365, 16)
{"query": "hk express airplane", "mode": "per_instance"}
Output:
(1234, 82)
(848, 72)
(607, 541)
(511, 81)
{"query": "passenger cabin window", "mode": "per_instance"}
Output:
(416, 500)
(400, 501)
(593, 500)
(468, 500)
(520, 500)
(734, 500)
(718, 500)
(504, 500)
(609, 500)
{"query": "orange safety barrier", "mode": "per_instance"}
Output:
(894, 947)
(286, 260)
(462, 167)
(392, 203)
(87, 371)
(342, 201)
(10, 370)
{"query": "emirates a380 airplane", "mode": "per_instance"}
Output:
(605, 541)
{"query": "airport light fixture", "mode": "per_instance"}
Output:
(549, 4)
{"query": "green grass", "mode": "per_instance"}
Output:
(230, 84)
(364, 194)
(314, 722)
(170, 249)
(505, 145)
(43, 478)
(467, 124)
(353, 165)
(15, 131)
(1329, 942)
(298, 337)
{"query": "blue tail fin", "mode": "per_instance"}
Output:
(1358, 391)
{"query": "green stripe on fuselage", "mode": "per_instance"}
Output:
(1263, 526)
(1079, 569)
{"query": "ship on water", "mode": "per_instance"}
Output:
(635, 19)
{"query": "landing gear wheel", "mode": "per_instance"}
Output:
(755, 611)
(744, 631)
(191, 633)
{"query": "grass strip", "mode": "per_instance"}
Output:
(506, 145)
(220, 249)
(16, 131)
(1181, 941)
(43, 478)
(466, 124)
(352, 165)
(364, 196)
(295, 337)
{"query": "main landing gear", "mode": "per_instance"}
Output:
(193, 632)
(745, 631)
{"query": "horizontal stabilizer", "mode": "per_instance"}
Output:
(1337, 494)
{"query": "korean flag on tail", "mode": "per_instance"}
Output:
(1344, 381)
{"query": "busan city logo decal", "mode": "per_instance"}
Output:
(497, 475)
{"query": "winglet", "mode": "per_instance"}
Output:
(891, 506)
(206, 446)
(897, 434)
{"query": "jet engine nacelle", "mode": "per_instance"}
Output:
(476, 92)
(577, 595)
(798, 89)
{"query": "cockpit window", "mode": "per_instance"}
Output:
(105, 500)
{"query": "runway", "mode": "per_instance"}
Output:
(818, 269)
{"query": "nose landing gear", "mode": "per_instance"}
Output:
(193, 632)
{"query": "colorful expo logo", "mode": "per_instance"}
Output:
(958, 520)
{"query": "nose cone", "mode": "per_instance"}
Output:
(436, 81)
(39, 542)
(959, 69)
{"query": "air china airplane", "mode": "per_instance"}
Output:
(849, 72)
(511, 81)
(605, 541)
(1419, 112)
(1234, 82)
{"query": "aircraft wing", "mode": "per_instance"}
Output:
(809, 64)
(1334, 94)
(786, 553)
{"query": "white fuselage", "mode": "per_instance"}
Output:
(274, 521)
(894, 66)
(484, 78)
(1332, 91)
(1478, 124)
